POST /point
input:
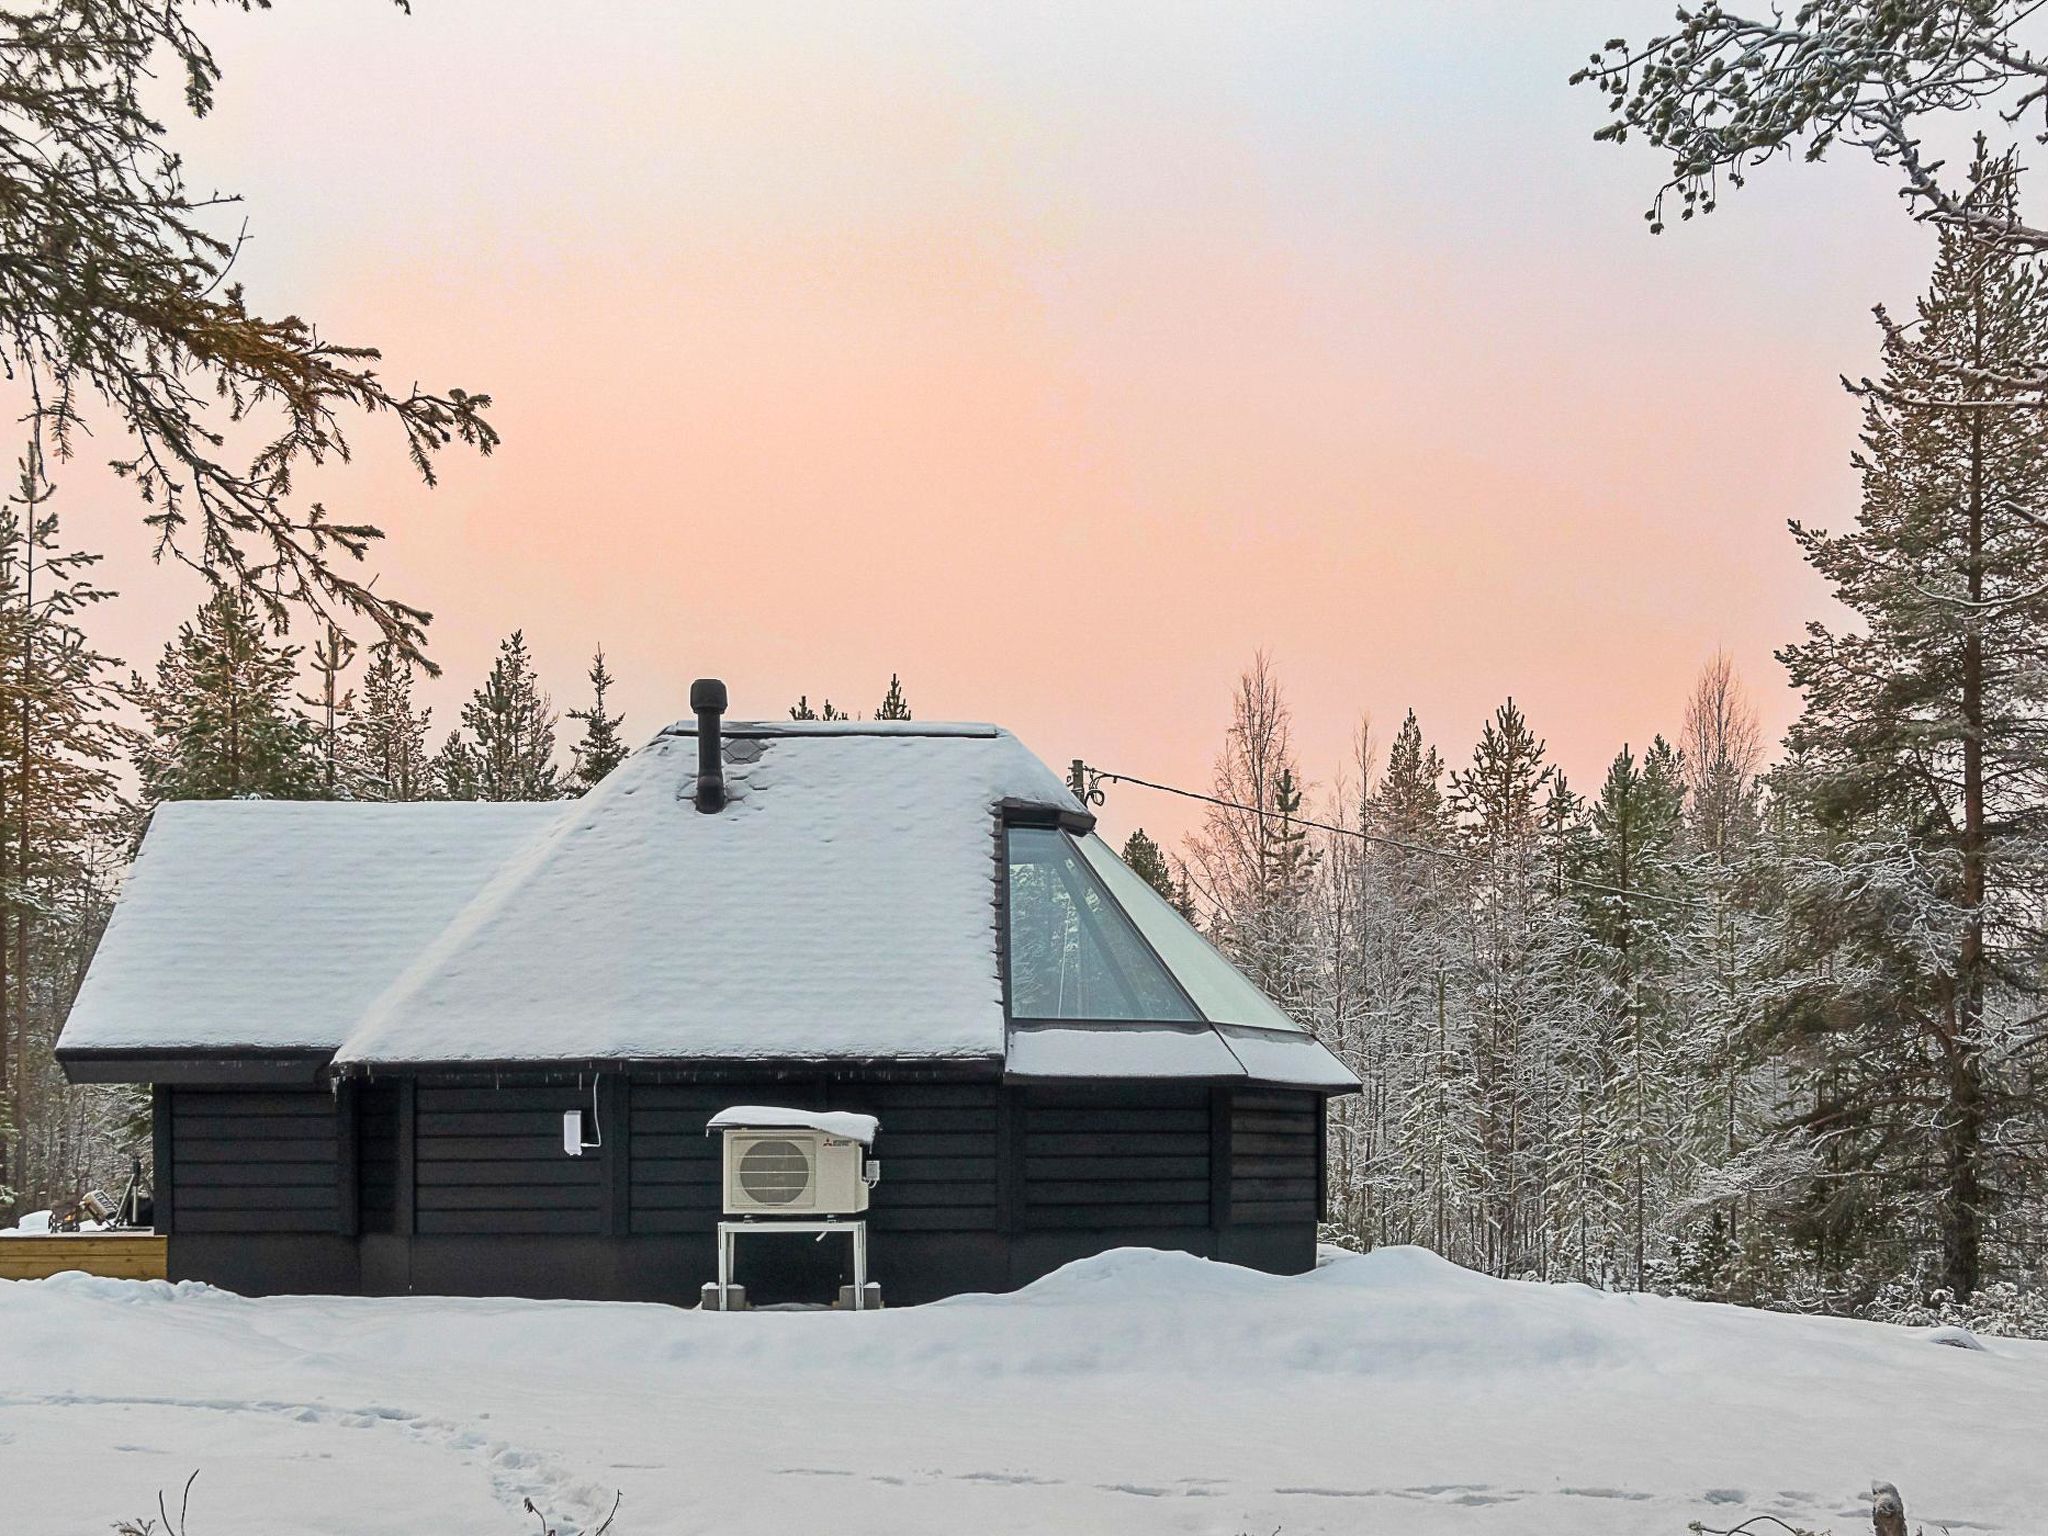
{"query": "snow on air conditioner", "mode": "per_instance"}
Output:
(796, 1162)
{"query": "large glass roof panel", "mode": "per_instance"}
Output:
(1073, 953)
(1219, 989)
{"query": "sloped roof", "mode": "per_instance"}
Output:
(842, 907)
(271, 924)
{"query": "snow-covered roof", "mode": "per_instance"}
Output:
(271, 925)
(768, 1117)
(843, 907)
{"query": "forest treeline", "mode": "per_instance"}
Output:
(1758, 1025)
(232, 709)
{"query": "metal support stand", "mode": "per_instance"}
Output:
(729, 1230)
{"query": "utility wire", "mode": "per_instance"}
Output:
(1103, 776)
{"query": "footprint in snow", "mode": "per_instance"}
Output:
(1604, 1493)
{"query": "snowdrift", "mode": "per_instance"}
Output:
(1137, 1391)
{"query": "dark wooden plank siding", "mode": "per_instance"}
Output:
(938, 1148)
(672, 1177)
(377, 1156)
(1275, 1158)
(1133, 1157)
(247, 1161)
(488, 1161)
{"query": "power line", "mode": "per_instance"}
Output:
(1086, 791)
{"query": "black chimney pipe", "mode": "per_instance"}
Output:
(707, 699)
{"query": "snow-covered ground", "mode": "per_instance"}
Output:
(1136, 1392)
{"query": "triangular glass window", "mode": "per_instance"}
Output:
(1073, 953)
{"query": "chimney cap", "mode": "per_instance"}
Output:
(707, 696)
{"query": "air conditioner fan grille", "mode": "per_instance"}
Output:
(775, 1172)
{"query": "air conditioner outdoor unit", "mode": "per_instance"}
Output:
(796, 1164)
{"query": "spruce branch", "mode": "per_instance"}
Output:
(117, 298)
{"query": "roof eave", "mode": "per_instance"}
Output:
(982, 1068)
(214, 1065)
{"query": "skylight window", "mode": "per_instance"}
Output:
(1073, 953)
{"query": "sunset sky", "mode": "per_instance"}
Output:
(1057, 358)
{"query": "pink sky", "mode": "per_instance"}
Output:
(1057, 358)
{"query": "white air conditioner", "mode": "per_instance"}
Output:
(794, 1171)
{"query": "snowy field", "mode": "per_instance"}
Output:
(1137, 1392)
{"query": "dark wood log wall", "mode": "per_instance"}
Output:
(1275, 1158)
(983, 1185)
(250, 1161)
(673, 1177)
(938, 1149)
(1129, 1155)
(489, 1162)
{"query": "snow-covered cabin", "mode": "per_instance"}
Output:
(364, 1024)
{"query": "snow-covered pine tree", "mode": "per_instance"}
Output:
(1582, 1207)
(1914, 941)
(1632, 912)
(452, 772)
(333, 708)
(1500, 798)
(602, 748)
(62, 829)
(1724, 818)
(894, 706)
(220, 715)
(385, 740)
(511, 725)
(1412, 927)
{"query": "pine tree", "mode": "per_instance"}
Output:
(453, 772)
(1288, 855)
(61, 826)
(334, 707)
(1500, 798)
(511, 725)
(1148, 861)
(894, 706)
(219, 713)
(1406, 924)
(801, 710)
(602, 748)
(1914, 941)
(385, 741)
(1723, 826)
(1629, 900)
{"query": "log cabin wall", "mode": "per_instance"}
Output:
(260, 1188)
(489, 1162)
(460, 1185)
(1116, 1158)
